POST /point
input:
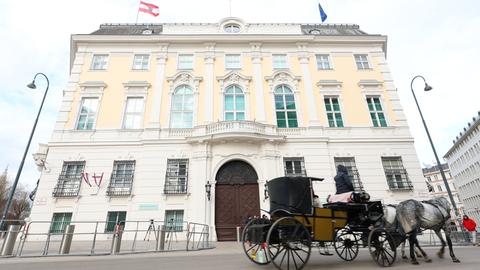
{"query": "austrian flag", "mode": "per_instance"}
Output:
(149, 8)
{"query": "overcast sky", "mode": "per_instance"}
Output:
(438, 39)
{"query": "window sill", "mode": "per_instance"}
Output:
(97, 70)
(140, 70)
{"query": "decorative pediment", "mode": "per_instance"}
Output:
(184, 77)
(234, 77)
(283, 77)
(136, 87)
(370, 84)
(330, 87)
(93, 87)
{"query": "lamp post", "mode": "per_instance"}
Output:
(19, 172)
(208, 189)
(428, 88)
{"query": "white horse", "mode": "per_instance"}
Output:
(433, 214)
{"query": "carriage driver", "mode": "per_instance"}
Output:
(343, 183)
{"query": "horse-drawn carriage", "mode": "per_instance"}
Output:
(295, 226)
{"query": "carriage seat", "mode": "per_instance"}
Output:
(342, 197)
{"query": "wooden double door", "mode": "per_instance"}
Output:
(236, 198)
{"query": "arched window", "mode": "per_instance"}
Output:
(285, 107)
(182, 108)
(234, 103)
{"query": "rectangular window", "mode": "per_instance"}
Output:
(99, 62)
(294, 166)
(140, 61)
(133, 113)
(396, 174)
(232, 61)
(376, 112)
(59, 222)
(439, 188)
(279, 61)
(173, 220)
(176, 177)
(185, 61)
(349, 163)
(70, 178)
(87, 114)
(121, 180)
(362, 61)
(114, 218)
(334, 116)
(323, 61)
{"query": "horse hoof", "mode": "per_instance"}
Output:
(456, 260)
(415, 262)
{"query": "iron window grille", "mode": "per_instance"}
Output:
(294, 167)
(176, 178)
(121, 179)
(349, 163)
(173, 221)
(59, 222)
(396, 174)
(70, 178)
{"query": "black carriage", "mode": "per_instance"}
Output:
(295, 226)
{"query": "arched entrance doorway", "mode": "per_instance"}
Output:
(236, 197)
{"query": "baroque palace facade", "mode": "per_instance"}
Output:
(187, 122)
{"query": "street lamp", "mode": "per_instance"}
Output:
(208, 189)
(428, 88)
(19, 172)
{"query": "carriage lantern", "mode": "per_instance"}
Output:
(208, 189)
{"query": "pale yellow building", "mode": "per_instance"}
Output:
(187, 122)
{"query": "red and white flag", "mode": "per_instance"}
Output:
(149, 8)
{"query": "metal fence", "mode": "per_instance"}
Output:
(37, 238)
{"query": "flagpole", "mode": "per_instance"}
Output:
(230, 8)
(138, 11)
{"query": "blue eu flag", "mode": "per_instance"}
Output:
(323, 15)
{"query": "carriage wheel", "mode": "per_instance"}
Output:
(256, 252)
(346, 244)
(382, 247)
(289, 244)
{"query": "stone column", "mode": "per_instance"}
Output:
(154, 118)
(209, 104)
(257, 77)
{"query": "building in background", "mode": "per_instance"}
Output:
(436, 186)
(188, 121)
(464, 161)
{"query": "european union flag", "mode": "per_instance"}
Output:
(323, 15)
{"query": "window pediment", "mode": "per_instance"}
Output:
(234, 78)
(184, 78)
(283, 77)
(93, 88)
(136, 87)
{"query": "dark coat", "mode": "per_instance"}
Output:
(342, 180)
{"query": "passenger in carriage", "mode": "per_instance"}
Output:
(342, 180)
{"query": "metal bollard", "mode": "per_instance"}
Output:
(117, 240)
(238, 234)
(67, 239)
(9, 242)
(162, 238)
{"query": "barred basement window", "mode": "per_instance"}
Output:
(173, 220)
(294, 166)
(397, 177)
(70, 178)
(177, 176)
(121, 180)
(114, 218)
(59, 222)
(349, 163)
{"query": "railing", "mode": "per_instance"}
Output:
(229, 126)
(174, 188)
(91, 238)
(67, 187)
(120, 188)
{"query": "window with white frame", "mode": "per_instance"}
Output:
(232, 61)
(376, 112)
(185, 61)
(133, 113)
(173, 220)
(87, 113)
(99, 62)
(294, 166)
(140, 61)
(349, 163)
(396, 174)
(176, 178)
(121, 180)
(69, 180)
(332, 108)
(285, 109)
(362, 61)
(279, 61)
(323, 61)
(234, 103)
(182, 108)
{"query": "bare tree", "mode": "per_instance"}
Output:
(3, 190)
(21, 204)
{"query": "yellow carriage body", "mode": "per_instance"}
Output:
(323, 223)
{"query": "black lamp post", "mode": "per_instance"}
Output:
(428, 88)
(208, 189)
(19, 172)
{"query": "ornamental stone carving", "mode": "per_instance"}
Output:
(283, 77)
(234, 78)
(184, 78)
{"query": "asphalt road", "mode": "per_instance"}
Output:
(229, 257)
